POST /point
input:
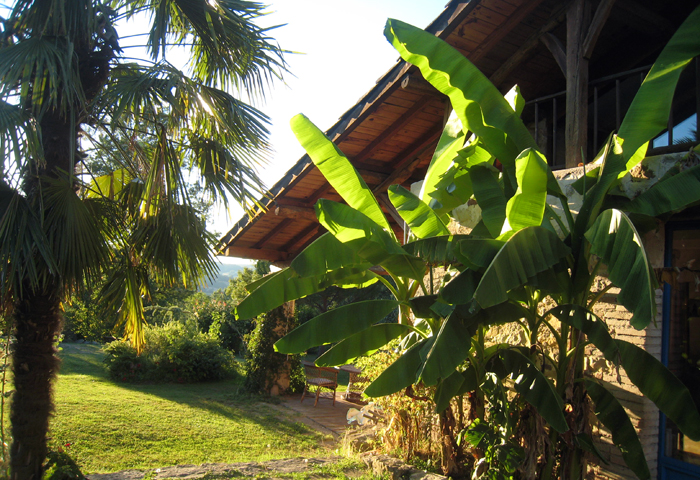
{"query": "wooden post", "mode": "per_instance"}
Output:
(581, 36)
(576, 132)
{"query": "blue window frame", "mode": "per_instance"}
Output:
(679, 458)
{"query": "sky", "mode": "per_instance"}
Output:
(343, 53)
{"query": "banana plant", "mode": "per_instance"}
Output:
(525, 248)
(522, 251)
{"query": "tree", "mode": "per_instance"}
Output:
(519, 253)
(65, 81)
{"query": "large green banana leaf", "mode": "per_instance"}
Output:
(670, 195)
(479, 105)
(400, 374)
(451, 141)
(338, 170)
(455, 186)
(612, 164)
(652, 378)
(436, 250)
(659, 385)
(286, 285)
(490, 197)
(615, 418)
(369, 240)
(528, 252)
(479, 251)
(535, 388)
(365, 342)
(421, 219)
(526, 207)
(460, 290)
(649, 111)
(449, 349)
(335, 325)
(458, 383)
(615, 240)
(325, 254)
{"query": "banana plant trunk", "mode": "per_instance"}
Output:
(37, 319)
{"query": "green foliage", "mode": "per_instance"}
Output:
(60, 466)
(85, 319)
(521, 256)
(176, 352)
(264, 365)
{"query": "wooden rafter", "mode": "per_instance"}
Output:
(272, 232)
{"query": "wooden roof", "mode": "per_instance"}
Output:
(391, 133)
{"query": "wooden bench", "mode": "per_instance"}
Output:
(319, 378)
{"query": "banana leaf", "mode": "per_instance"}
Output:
(526, 207)
(454, 187)
(451, 141)
(421, 219)
(338, 170)
(490, 197)
(615, 418)
(286, 285)
(460, 290)
(659, 385)
(365, 342)
(449, 349)
(535, 388)
(400, 374)
(479, 251)
(528, 252)
(325, 254)
(670, 195)
(436, 250)
(479, 105)
(335, 325)
(615, 240)
(449, 388)
(648, 114)
(367, 239)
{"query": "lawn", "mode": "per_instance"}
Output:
(109, 426)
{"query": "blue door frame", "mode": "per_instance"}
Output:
(671, 468)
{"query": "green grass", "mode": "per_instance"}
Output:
(111, 426)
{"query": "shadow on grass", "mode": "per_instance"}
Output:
(225, 398)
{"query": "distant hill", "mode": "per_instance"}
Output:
(226, 271)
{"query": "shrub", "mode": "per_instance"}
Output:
(174, 352)
(263, 364)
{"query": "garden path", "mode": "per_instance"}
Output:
(324, 417)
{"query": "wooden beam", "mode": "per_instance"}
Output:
(526, 49)
(414, 83)
(302, 236)
(503, 30)
(556, 48)
(273, 231)
(599, 18)
(395, 127)
(256, 254)
(409, 160)
(576, 132)
(307, 214)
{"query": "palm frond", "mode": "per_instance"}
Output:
(25, 256)
(228, 48)
(44, 72)
(73, 231)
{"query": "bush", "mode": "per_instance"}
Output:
(263, 364)
(174, 352)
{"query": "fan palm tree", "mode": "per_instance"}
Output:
(70, 93)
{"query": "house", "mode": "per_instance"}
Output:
(579, 64)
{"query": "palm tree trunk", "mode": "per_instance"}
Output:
(37, 324)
